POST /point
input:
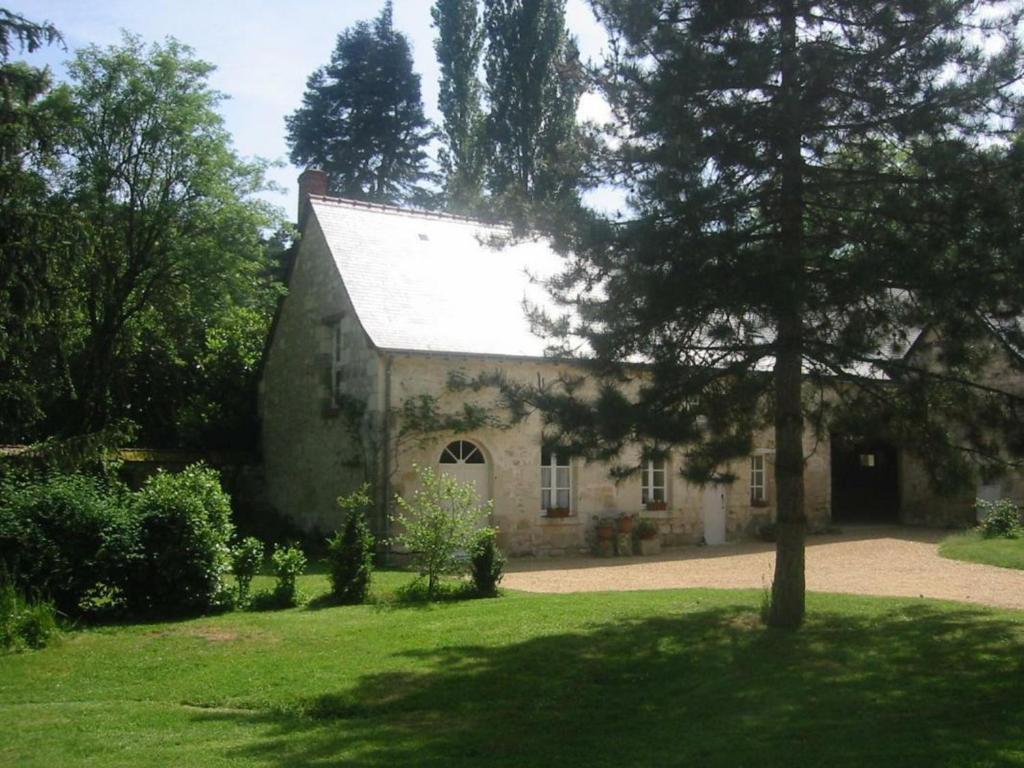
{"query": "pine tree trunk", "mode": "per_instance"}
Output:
(787, 608)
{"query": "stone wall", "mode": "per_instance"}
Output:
(312, 451)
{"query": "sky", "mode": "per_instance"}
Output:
(263, 50)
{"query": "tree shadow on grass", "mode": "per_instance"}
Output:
(916, 686)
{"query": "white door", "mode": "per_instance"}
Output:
(465, 462)
(714, 515)
(470, 473)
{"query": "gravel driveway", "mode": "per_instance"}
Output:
(870, 560)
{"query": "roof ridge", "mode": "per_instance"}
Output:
(410, 212)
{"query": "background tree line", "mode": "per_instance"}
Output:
(511, 80)
(136, 279)
(137, 275)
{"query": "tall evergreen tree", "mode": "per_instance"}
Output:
(812, 183)
(458, 46)
(534, 81)
(33, 117)
(362, 120)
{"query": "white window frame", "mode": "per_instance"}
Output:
(337, 367)
(758, 479)
(552, 488)
(650, 486)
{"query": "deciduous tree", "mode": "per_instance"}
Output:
(168, 232)
(534, 81)
(458, 46)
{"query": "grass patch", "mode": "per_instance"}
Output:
(971, 546)
(602, 679)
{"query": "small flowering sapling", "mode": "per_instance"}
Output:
(439, 524)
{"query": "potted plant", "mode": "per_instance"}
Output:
(605, 529)
(625, 523)
(657, 506)
(646, 534)
(557, 512)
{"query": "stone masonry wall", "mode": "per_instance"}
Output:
(311, 451)
(514, 457)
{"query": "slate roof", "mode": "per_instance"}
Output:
(428, 282)
(435, 283)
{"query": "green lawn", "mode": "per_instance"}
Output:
(603, 679)
(1006, 553)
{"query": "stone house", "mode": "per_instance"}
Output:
(386, 308)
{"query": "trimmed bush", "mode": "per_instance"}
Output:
(487, 564)
(68, 537)
(184, 534)
(350, 551)
(24, 623)
(246, 560)
(1000, 519)
(289, 564)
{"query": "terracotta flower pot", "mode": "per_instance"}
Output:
(605, 532)
(625, 524)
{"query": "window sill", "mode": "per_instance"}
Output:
(546, 519)
(760, 503)
(658, 514)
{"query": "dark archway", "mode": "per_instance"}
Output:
(865, 481)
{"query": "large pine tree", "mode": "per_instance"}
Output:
(362, 120)
(811, 184)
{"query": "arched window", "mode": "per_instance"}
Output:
(461, 452)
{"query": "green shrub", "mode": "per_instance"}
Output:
(1000, 519)
(487, 564)
(289, 563)
(67, 537)
(184, 534)
(438, 525)
(246, 560)
(24, 623)
(350, 551)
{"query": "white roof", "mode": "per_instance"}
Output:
(433, 283)
(427, 282)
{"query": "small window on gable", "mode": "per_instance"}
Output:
(758, 493)
(555, 480)
(653, 482)
(337, 368)
(461, 452)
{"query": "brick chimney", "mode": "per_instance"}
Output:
(312, 181)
